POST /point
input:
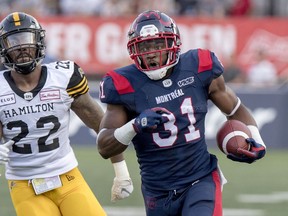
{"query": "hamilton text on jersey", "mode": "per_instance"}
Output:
(36, 108)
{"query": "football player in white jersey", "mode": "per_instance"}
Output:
(35, 104)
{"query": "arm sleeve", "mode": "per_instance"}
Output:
(78, 84)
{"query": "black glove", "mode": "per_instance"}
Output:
(256, 152)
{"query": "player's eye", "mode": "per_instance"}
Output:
(143, 49)
(160, 45)
(151, 45)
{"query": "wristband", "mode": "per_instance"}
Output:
(125, 133)
(235, 108)
(256, 135)
(121, 170)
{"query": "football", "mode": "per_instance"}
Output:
(231, 136)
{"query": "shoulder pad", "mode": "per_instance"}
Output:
(121, 83)
(205, 60)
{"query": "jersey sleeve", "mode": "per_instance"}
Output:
(115, 89)
(108, 92)
(209, 66)
(218, 68)
(78, 84)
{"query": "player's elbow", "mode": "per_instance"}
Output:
(107, 145)
(102, 149)
(110, 150)
(105, 156)
(101, 143)
(104, 153)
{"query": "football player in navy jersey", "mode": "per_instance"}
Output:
(158, 104)
(35, 104)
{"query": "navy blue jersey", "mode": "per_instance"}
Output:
(177, 155)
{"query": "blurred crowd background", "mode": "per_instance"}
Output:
(262, 72)
(120, 8)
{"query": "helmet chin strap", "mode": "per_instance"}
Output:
(159, 73)
(156, 74)
(25, 68)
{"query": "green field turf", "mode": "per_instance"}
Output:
(268, 179)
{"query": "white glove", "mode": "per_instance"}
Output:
(4, 150)
(121, 189)
(122, 185)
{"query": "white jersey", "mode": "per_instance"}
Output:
(38, 121)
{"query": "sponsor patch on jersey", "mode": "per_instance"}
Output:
(49, 95)
(7, 99)
(187, 81)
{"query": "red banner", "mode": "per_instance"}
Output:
(99, 45)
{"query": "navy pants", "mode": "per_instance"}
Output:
(202, 198)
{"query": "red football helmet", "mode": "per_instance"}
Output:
(154, 43)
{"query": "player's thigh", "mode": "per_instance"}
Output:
(81, 202)
(205, 197)
(79, 199)
(27, 203)
(157, 203)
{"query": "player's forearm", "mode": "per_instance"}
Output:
(117, 158)
(108, 145)
(244, 115)
(89, 111)
(92, 119)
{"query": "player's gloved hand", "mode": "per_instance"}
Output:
(256, 152)
(4, 150)
(150, 119)
(122, 188)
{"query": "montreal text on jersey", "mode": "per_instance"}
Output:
(168, 97)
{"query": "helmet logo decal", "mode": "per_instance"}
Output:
(148, 30)
(16, 19)
(151, 13)
(157, 15)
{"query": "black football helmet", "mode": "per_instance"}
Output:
(154, 27)
(22, 44)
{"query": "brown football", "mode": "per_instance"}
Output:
(231, 136)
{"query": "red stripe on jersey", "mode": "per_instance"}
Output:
(121, 83)
(205, 61)
(218, 194)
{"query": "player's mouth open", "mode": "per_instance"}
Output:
(23, 58)
(153, 64)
